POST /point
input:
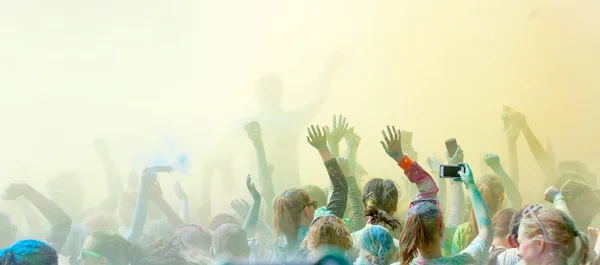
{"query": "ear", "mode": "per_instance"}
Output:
(540, 245)
(511, 242)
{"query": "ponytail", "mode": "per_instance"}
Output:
(584, 256)
(420, 229)
(411, 238)
(377, 216)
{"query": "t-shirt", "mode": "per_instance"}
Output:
(508, 257)
(460, 242)
(474, 254)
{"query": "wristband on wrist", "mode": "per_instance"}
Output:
(405, 162)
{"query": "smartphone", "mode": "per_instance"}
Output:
(451, 146)
(406, 138)
(449, 171)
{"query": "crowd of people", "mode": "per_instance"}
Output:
(368, 224)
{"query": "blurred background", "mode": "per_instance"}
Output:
(157, 78)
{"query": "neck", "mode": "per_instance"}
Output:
(432, 251)
(500, 242)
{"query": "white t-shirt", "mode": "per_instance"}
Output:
(508, 257)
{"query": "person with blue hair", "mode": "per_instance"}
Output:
(29, 252)
(376, 247)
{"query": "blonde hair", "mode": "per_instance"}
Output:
(560, 232)
(421, 228)
(287, 210)
(380, 198)
(327, 230)
(492, 192)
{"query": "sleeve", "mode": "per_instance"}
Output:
(355, 198)
(339, 196)
(478, 250)
(417, 175)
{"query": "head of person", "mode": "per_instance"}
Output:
(8, 231)
(29, 252)
(515, 221)
(492, 192)
(380, 202)
(292, 209)
(109, 248)
(269, 91)
(501, 223)
(424, 229)
(376, 246)
(63, 188)
(548, 237)
(564, 176)
(583, 202)
(230, 240)
(101, 221)
(327, 230)
(193, 242)
(580, 168)
(317, 194)
(221, 219)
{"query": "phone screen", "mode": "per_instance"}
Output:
(448, 171)
(451, 146)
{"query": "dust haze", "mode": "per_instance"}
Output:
(158, 79)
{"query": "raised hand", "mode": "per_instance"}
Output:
(456, 158)
(352, 139)
(550, 194)
(181, 195)
(393, 144)
(317, 137)
(340, 127)
(513, 122)
(434, 164)
(492, 160)
(15, 190)
(253, 130)
(241, 207)
(467, 176)
(252, 189)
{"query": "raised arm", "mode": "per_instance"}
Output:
(554, 196)
(311, 109)
(252, 218)
(337, 202)
(114, 183)
(140, 212)
(482, 216)
(264, 172)
(335, 136)
(512, 129)
(354, 193)
(158, 199)
(242, 208)
(416, 174)
(512, 192)
(434, 168)
(58, 219)
(184, 208)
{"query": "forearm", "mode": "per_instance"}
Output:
(32, 217)
(58, 219)
(355, 196)
(513, 160)
(264, 174)
(113, 179)
(417, 175)
(560, 204)
(139, 213)
(252, 219)
(457, 206)
(339, 197)
(539, 154)
(482, 216)
(512, 191)
(174, 219)
(184, 210)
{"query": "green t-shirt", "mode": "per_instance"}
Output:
(460, 242)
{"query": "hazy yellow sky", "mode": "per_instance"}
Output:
(137, 71)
